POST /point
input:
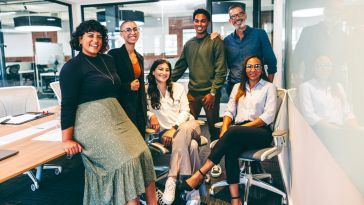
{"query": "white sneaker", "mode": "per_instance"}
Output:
(193, 198)
(169, 191)
(216, 171)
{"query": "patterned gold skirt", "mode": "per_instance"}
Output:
(118, 163)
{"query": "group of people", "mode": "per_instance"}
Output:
(106, 106)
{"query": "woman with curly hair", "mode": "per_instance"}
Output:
(118, 166)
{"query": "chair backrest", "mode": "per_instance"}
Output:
(57, 90)
(18, 100)
(13, 71)
(281, 98)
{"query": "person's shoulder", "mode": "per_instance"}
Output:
(139, 55)
(268, 84)
(229, 37)
(177, 86)
(113, 51)
(191, 40)
(106, 56)
(71, 66)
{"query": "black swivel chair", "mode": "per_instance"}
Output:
(12, 74)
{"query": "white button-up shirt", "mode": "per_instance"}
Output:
(172, 111)
(259, 102)
(320, 102)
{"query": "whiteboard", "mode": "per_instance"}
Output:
(47, 53)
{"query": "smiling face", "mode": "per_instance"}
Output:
(91, 43)
(129, 31)
(323, 68)
(253, 69)
(162, 73)
(237, 17)
(200, 24)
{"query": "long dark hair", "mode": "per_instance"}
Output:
(244, 77)
(153, 91)
(88, 26)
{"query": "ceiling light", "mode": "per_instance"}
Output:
(37, 23)
(312, 12)
(132, 15)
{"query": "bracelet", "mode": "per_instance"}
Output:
(175, 127)
(213, 94)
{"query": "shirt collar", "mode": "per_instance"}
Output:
(260, 84)
(247, 30)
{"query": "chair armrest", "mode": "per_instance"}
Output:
(149, 131)
(201, 122)
(218, 125)
(278, 133)
(279, 138)
(204, 140)
(158, 147)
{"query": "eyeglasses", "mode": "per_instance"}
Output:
(130, 30)
(255, 66)
(240, 14)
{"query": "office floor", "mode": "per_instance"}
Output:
(67, 188)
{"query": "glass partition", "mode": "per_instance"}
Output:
(324, 43)
(166, 26)
(34, 44)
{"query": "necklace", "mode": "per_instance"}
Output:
(108, 75)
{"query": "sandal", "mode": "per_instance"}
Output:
(186, 187)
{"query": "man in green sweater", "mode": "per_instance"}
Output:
(207, 70)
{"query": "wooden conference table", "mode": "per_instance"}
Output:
(31, 153)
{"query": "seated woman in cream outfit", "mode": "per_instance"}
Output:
(169, 115)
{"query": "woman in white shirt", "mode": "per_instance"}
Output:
(169, 114)
(251, 106)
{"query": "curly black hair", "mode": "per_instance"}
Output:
(153, 91)
(202, 11)
(87, 26)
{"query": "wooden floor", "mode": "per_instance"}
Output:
(67, 188)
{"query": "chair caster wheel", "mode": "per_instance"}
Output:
(58, 171)
(211, 191)
(34, 187)
(207, 179)
(284, 201)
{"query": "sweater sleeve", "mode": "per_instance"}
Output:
(220, 65)
(70, 82)
(180, 66)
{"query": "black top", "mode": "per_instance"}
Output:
(81, 82)
(133, 102)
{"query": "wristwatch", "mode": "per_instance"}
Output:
(175, 127)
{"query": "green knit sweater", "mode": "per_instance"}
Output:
(206, 62)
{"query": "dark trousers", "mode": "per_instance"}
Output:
(212, 115)
(236, 140)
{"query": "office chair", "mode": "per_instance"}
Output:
(19, 100)
(259, 155)
(57, 90)
(12, 73)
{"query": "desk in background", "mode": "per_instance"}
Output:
(31, 153)
(51, 76)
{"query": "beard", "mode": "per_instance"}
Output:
(241, 25)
